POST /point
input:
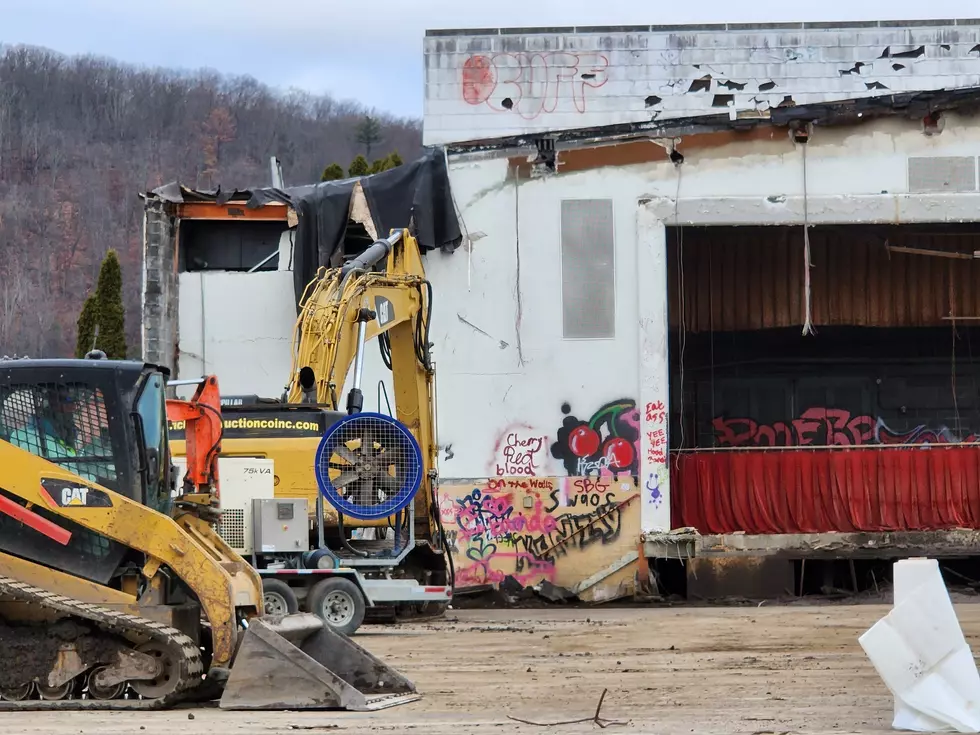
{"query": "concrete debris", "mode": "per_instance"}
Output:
(552, 592)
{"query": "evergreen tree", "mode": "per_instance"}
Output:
(383, 164)
(86, 327)
(368, 134)
(333, 172)
(359, 167)
(109, 308)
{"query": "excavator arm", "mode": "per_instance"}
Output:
(200, 418)
(345, 308)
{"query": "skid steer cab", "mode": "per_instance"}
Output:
(114, 593)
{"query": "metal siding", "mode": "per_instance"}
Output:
(748, 278)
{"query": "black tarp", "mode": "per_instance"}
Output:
(416, 195)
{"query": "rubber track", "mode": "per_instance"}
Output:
(191, 668)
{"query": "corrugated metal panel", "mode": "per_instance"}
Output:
(744, 278)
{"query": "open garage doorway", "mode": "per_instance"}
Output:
(868, 423)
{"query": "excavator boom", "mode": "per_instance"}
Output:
(383, 294)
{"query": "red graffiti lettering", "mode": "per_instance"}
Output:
(532, 84)
(479, 79)
(591, 485)
(657, 446)
(656, 413)
(519, 455)
(817, 426)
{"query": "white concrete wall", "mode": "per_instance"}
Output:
(238, 327)
(500, 374)
(502, 380)
(487, 393)
(487, 84)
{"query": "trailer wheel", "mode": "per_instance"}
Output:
(339, 603)
(278, 598)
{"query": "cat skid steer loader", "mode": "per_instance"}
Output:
(114, 593)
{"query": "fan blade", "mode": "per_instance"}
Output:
(365, 493)
(346, 478)
(367, 442)
(389, 484)
(346, 454)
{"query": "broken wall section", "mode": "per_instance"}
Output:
(160, 290)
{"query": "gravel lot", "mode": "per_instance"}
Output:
(762, 670)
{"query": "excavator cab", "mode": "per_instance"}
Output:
(99, 420)
(113, 592)
(102, 421)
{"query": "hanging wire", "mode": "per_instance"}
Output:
(383, 389)
(808, 264)
(682, 301)
(952, 365)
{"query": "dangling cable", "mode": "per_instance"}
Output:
(807, 265)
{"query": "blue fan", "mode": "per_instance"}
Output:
(368, 466)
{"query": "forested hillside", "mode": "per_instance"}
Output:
(80, 137)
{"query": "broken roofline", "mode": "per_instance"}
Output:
(911, 105)
(684, 28)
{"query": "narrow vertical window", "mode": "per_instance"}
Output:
(588, 274)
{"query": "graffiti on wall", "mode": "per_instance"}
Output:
(656, 435)
(519, 452)
(605, 444)
(532, 84)
(528, 527)
(654, 490)
(819, 426)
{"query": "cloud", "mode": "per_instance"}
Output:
(369, 50)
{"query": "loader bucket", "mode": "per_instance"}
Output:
(299, 662)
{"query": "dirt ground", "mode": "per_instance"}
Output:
(763, 670)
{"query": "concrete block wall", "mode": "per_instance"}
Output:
(494, 83)
(159, 326)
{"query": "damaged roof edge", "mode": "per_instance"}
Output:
(719, 27)
(912, 105)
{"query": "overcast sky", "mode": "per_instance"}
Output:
(370, 50)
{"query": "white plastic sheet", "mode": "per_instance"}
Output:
(920, 653)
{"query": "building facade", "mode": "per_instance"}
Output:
(715, 297)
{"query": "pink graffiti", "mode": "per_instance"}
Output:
(492, 517)
(532, 84)
(481, 573)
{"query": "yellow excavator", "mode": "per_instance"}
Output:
(374, 471)
(115, 589)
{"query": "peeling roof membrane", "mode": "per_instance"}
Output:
(415, 195)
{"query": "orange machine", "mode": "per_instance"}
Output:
(200, 420)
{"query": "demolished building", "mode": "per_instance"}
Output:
(714, 300)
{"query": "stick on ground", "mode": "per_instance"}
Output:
(595, 718)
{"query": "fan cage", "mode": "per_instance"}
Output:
(369, 466)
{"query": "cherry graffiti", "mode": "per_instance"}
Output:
(607, 443)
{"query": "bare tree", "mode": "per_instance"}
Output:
(81, 136)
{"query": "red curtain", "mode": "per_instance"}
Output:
(823, 491)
